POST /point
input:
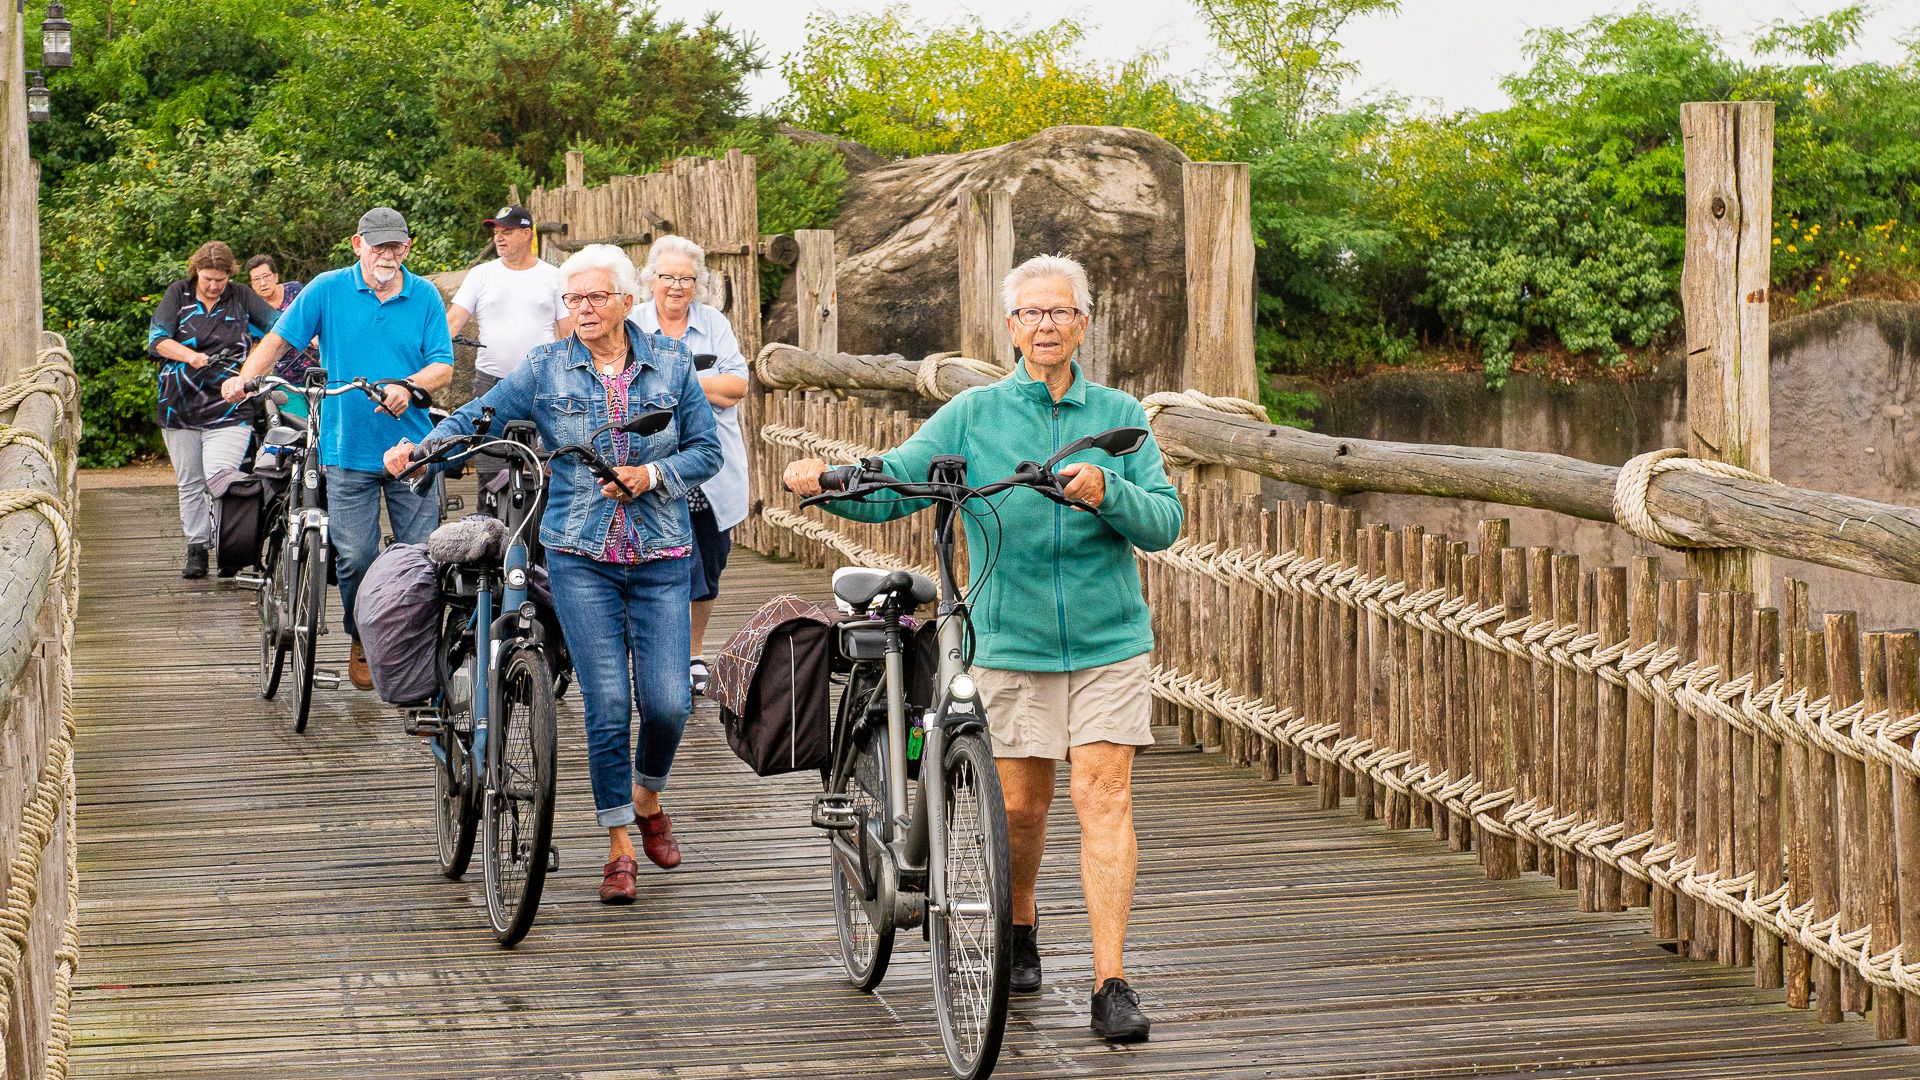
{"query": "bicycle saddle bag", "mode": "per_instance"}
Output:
(397, 612)
(772, 681)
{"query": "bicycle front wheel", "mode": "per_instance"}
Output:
(273, 638)
(309, 600)
(519, 799)
(970, 933)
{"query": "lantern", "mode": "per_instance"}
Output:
(39, 101)
(56, 38)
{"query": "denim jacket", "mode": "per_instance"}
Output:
(557, 389)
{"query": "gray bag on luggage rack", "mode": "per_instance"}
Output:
(398, 614)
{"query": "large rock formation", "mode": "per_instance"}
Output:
(1110, 197)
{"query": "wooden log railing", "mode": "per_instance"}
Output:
(1746, 773)
(39, 938)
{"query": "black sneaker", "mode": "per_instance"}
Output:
(1116, 1013)
(1023, 975)
(196, 562)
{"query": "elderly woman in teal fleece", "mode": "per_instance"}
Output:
(1064, 631)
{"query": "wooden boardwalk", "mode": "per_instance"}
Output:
(261, 904)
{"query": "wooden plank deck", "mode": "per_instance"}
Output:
(257, 903)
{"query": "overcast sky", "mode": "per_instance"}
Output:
(1452, 52)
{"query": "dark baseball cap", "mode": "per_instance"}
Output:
(382, 225)
(513, 217)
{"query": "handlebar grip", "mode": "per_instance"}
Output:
(838, 477)
(422, 450)
(252, 386)
(421, 484)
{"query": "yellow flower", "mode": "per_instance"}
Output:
(1776, 241)
(1790, 247)
(1816, 288)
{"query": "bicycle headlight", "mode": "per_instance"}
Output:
(962, 687)
(528, 611)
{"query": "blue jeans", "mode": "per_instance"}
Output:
(353, 522)
(627, 628)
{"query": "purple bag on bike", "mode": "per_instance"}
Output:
(398, 614)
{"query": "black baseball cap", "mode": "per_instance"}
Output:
(513, 217)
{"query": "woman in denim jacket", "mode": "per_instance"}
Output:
(620, 583)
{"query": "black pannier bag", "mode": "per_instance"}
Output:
(239, 519)
(772, 682)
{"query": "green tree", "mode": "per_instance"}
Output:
(904, 88)
(1288, 52)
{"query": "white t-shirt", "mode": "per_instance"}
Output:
(516, 309)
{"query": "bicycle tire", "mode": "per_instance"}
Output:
(309, 599)
(519, 795)
(970, 935)
(456, 801)
(865, 948)
(273, 639)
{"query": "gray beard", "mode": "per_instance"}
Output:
(384, 277)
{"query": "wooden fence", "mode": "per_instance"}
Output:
(39, 941)
(1747, 772)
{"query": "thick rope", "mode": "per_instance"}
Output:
(1637, 476)
(927, 375)
(1193, 399)
(55, 792)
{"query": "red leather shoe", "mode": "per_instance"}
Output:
(617, 885)
(656, 839)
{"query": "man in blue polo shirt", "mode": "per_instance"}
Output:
(375, 320)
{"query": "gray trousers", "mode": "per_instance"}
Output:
(196, 455)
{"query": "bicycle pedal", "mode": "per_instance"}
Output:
(326, 680)
(247, 579)
(553, 860)
(836, 811)
(425, 722)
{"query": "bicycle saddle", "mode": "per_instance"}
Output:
(858, 586)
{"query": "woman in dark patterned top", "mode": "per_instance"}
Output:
(200, 333)
(264, 275)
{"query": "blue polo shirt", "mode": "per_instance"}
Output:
(367, 338)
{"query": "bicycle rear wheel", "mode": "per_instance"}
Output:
(519, 797)
(865, 932)
(273, 638)
(456, 801)
(969, 935)
(309, 600)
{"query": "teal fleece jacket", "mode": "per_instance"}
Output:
(1064, 593)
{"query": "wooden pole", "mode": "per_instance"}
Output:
(576, 170)
(816, 299)
(1723, 289)
(1219, 241)
(19, 210)
(986, 256)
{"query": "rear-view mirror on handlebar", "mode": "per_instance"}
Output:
(1114, 442)
(648, 423)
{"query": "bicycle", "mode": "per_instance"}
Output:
(505, 718)
(890, 868)
(298, 549)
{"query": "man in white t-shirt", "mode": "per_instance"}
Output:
(516, 297)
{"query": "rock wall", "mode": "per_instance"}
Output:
(1110, 197)
(1846, 418)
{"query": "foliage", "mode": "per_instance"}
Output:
(904, 88)
(1288, 51)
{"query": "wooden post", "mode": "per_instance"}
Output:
(576, 170)
(986, 255)
(19, 210)
(1643, 619)
(1903, 697)
(816, 299)
(1723, 288)
(1219, 239)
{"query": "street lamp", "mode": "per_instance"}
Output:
(56, 38)
(39, 101)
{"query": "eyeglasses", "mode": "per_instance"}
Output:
(596, 300)
(1059, 316)
(396, 248)
(674, 280)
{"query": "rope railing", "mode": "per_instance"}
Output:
(1429, 685)
(48, 811)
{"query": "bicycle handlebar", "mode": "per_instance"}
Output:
(856, 482)
(464, 446)
(374, 389)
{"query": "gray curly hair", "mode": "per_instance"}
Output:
(603, 257)
(679, 245)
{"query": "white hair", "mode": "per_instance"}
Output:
(1048, 266)
(603, 257)
(679, 245)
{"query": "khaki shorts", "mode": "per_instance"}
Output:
(1041, 714)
